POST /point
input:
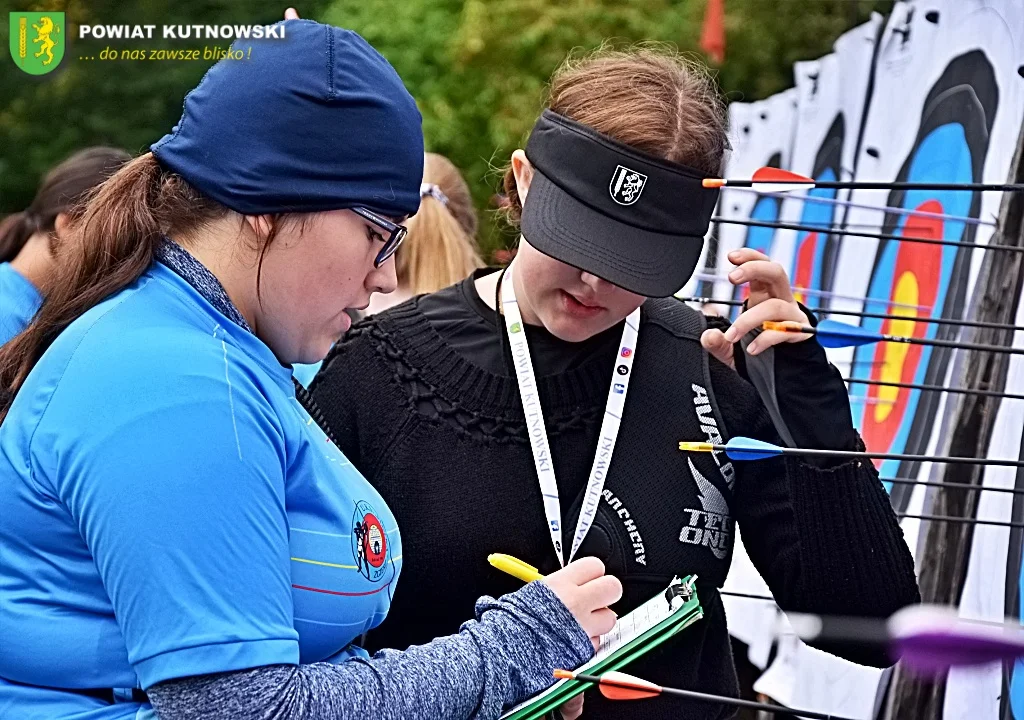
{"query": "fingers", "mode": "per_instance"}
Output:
(587, 592)
(770, 338)
(291, 14)
(765, 277)
(742, 255)
(572, 709)
(597, 623)
(601, 622)
(583, 570)
(772, 309)
(715, 342)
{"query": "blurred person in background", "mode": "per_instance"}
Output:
(29, 240)
(440, 248)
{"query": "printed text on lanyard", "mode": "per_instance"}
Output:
(535, 419)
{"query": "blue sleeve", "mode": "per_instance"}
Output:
(171, 463)
(504, 656)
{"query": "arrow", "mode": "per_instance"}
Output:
(880, 316)
(927, 638)
(834, 334)
(744, 448)
(935, 388)
(854, 233)
(616, 685)
(879, 208)
(779, 180)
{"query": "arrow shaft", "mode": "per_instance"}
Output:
(929, 320)
(953, 486)
(1005, 350)
(864, 206)
(935, 388)
(880, 316)
(949, 459)
(722, 699)
(820, 293)
(967, 521)
(876, 236)
(869, 185)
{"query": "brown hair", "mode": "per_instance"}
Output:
(646, 96)
(61, 191)
(110, 247)
(441, 247)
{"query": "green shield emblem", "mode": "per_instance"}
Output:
(37, 41)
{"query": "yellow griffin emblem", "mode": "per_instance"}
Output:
(44, 28)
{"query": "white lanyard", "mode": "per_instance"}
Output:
(535, 419)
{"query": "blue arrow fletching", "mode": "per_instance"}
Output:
(744, 448)
(833, 334)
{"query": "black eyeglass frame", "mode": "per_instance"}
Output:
(396, 233)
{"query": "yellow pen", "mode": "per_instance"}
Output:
(514, 567)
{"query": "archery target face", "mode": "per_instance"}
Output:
(917, 279)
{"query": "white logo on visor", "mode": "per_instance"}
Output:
(626, 185)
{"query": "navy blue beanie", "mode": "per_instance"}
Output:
(315, 121)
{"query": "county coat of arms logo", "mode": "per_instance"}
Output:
(626, 185)
(37, 42)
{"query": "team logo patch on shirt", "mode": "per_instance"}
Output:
(626, 185)
(369, 542)
(711, 526)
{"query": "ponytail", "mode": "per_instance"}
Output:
(112, 245)
(437, 253)
(441, 248)
(15, 230)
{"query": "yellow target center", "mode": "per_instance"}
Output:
(895, 354)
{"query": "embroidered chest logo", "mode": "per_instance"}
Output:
(626, 185)
(369, 542)
(711, 526)
(709, 427)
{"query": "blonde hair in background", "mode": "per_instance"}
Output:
(441, 246)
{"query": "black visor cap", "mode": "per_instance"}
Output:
(627, 217)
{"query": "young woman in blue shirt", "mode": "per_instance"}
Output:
(180, 538)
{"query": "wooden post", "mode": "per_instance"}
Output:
(942, 562)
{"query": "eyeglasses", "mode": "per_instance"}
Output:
(396, 234)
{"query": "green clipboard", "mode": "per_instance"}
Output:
(663, 616)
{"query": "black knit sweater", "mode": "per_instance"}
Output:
(438, 429)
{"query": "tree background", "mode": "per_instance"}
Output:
(478, 69)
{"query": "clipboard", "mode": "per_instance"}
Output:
(663, 616)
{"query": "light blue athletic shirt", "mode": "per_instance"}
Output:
(169, 509)
(19, 301)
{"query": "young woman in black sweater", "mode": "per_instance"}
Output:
(538, 411)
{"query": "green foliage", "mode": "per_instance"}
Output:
(478, 69)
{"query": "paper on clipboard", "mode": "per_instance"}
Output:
(627, 629)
